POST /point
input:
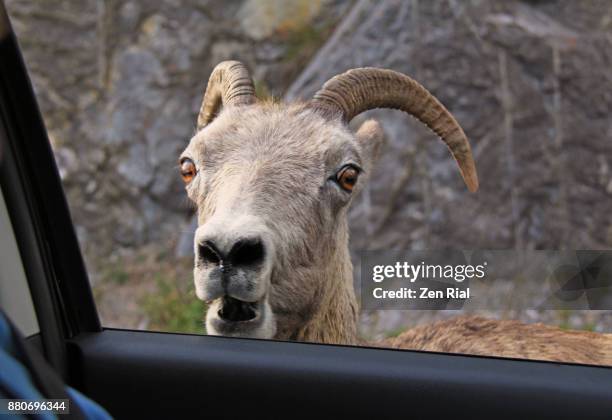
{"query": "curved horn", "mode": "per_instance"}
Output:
(355, 91)
(229, 84)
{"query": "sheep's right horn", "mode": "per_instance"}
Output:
(349, 94)
(229, 84)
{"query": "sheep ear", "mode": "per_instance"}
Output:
(370, 138)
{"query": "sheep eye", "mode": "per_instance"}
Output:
(347, 177)
(188, 169)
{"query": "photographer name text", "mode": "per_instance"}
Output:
(422, 293)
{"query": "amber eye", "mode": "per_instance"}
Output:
(188, 170)
(347, 177)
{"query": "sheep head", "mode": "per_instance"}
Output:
(272, 184)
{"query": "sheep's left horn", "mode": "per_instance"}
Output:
(229, 84)
(349, 94)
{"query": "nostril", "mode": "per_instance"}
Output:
(247, 252)
(208, 254)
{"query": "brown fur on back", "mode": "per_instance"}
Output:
(481, 336)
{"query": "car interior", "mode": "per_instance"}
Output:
(45, 290)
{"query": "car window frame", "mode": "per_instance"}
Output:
(48, 244)
(38, 210)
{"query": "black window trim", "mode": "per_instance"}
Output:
(38, 209)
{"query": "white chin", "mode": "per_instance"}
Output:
(262, 325)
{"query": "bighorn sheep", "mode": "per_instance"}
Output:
(272, 184)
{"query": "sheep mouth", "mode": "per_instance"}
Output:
(235, 310)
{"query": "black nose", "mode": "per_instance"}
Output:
(244, 253)
(209, 254)
(247, 252)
